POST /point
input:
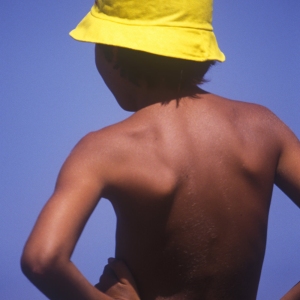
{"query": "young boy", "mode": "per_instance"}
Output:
(189, 174)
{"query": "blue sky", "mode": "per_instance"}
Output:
(51, 96)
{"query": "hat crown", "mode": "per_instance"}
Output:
(182, 13)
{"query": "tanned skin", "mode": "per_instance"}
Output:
(293, 293)
(117, 281)
(191, 183)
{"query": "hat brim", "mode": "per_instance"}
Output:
(185, 43)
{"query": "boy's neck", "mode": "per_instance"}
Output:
(143, 96)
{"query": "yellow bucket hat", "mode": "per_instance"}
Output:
(175, 28)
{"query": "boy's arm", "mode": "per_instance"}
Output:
(288, 169)
(46, 256)
(288, 180)
(293, 293)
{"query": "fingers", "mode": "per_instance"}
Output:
(117, 281)
(107, 279)
(121, 271)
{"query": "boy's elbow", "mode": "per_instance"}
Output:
(31, 267)
(36, 266)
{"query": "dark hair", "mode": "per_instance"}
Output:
(155, 69)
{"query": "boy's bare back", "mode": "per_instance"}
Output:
(191, 184)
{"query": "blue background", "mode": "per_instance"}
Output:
(51, 96)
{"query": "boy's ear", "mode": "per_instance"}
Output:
(114, 55)
(115, 51)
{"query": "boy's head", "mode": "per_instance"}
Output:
(178, 29)
(159, 42)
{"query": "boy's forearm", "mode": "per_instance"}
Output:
(63, 282)
(293, 293)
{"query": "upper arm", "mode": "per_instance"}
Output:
(288, 169)
(79, 187)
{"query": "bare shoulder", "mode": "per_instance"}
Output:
(125, 157)
(101, 149)
(93, 160)
(253, 111)
(108, 143)
(112, 143)
(266, 120)
(254, 116)
(267, 129)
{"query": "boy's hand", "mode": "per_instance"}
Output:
(117, 281)
(293, 293)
